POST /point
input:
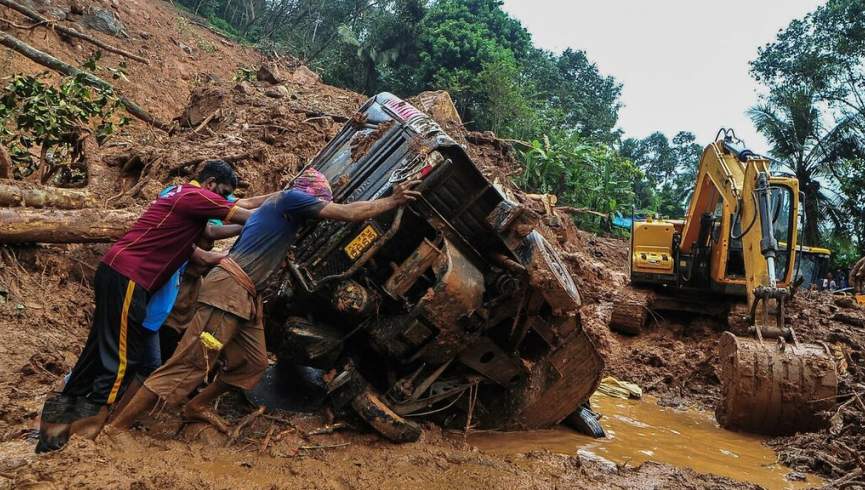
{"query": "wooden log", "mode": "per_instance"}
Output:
(54, 226)
(55, 64)
(852, 320)
(50, 24)
(39, 196)
(630, 310)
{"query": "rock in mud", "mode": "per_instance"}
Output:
(105, 21)
(278, 92)
(269, 73)
(304, 76)
(203, 103)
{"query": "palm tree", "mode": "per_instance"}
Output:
(793, 123)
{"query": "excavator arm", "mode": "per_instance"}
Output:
(738, 183)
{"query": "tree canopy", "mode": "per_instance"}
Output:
(568, 110)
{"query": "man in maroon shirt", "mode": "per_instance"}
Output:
(135, 266)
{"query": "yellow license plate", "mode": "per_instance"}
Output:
(361, 242)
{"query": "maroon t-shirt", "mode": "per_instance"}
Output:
(162, 238)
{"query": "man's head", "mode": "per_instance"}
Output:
(314, 183)
(217, 176)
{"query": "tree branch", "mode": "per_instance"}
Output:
(55, 64)
(40, 20)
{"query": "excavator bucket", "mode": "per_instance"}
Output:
(772, 387)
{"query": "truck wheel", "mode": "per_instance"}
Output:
(376, 413)
(586, 421)
(548, 273)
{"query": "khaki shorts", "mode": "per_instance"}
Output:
(243, 352)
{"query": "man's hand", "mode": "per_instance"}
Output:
(362, 210)
(403, 194)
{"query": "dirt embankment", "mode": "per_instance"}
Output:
(269, 128)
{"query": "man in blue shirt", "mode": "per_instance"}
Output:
(229, 309)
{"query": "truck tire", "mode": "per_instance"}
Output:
(377, 414)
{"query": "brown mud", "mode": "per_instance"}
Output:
(272, 130)
(641, 430)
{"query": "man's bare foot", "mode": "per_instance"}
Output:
(117, 438)
(205, 414)
(90, 427)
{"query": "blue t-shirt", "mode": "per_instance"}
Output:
(270, 231)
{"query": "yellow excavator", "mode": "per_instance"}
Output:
(738, 239)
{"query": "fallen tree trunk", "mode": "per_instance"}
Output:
(40, 196)
(55, 64)
(53, 226)
(50, 24)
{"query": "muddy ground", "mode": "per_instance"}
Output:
(274, 128)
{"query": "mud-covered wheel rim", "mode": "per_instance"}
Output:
(370, 407)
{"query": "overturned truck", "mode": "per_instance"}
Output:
(453, 306)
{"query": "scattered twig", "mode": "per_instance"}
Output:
(19, 26)
(853, 453)
(206, 121)
(844, 479)
(519, 142)
(327, 429)
(325, 446)
(573, 210)
(243, 423)
(266, 441)
(859, 399)
(473, 398)
(309, 113)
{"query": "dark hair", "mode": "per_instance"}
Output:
(220, 171)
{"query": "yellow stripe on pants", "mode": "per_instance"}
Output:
(121, 350)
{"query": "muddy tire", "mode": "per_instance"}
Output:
(585, 421)
(548, 273)
(377, 414)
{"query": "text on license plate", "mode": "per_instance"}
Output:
(361, 242)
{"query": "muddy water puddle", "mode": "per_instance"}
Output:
(641, 430)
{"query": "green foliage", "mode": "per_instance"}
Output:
(670, 169)
(851, 203)
(582, 173)
(790, 119)
(815, 70)
(36, 115)
(244, 74)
